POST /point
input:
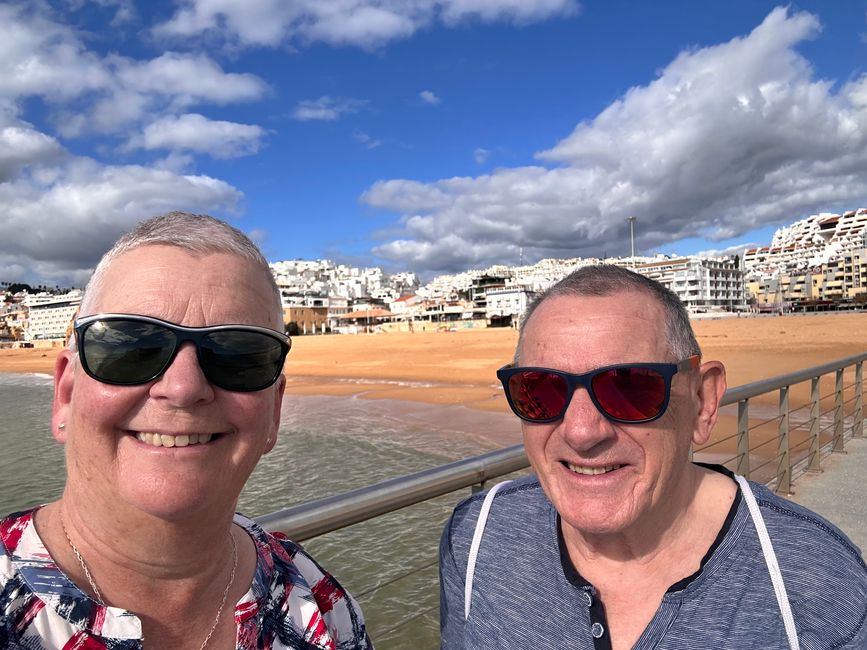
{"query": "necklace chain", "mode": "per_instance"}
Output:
(83, 565)
(101, 601)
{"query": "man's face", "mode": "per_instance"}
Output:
(106, 459)
(605, 477)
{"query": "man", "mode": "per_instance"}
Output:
(619, 541)
(166, 399)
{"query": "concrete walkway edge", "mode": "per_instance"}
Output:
(838, 493)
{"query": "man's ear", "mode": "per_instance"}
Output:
(710, 390)
(64, 369)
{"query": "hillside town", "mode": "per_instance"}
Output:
(817, 263)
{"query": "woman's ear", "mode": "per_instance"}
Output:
(280, 387)
(64, 369)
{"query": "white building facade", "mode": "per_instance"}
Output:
(506, 306)
(49, 316)
(702, 284)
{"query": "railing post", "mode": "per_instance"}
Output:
(784, 471)
(838, 413)
(815, 464)
(858, 422)
(744, 438)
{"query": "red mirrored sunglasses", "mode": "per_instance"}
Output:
(628, 392)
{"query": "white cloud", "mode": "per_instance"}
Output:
(39, 57)
(124, 10)
(364, 23)
(188, 79)
(729, 251)
(727, 139)
(481, 155)
(85, 92)
(60, 211)
(366, 140)
(21, 146)
(168, 83)
(177, 162)
(515, 11)
(194, 132)
(428, 97)
(326, 108)
(56, 224)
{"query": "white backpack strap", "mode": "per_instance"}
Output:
(474, 546)
(771, 561)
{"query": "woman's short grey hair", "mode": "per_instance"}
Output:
(607, 279)
(197, 233)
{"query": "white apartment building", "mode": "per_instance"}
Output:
(407, 307)
(49, 316)
(843, 280)
(700, 283)
(338, 306)
(506, 306)
(808, 243)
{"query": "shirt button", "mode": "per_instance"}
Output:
(588, 598)
(597, 630)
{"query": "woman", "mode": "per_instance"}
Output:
(166, 399)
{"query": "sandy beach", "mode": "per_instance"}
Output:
(459, 367)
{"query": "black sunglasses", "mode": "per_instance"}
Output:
(626, 392)
(127, 349)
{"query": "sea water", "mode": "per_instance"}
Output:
(326, 445)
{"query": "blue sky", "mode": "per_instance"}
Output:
(426, 135)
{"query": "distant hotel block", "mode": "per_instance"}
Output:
(40, 317)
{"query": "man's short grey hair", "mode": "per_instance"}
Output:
(199, 234)
(606, 279)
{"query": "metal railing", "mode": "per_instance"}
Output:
(805, 420)
(308, 520)
(798, 438)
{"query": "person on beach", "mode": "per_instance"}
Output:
(619, 540)
(166, 398)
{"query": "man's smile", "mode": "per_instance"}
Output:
(586, 469)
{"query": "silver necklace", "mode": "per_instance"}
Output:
(100, 600)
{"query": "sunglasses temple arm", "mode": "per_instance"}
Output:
(691, 363)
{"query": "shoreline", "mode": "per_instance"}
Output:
(459, 368)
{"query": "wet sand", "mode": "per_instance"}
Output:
(458, 368)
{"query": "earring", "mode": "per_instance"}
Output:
(61, 426)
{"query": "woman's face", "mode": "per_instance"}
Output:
(110, 431)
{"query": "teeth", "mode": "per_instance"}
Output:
(157, 440)
(578, 469)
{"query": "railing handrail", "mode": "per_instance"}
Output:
(306, 520)
(738, 393)
(314, 518)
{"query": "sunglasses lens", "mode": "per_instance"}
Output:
(630, 394)
(538, 395)
(241, 361)
(125, 352)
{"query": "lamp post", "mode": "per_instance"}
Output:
(631, 221)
